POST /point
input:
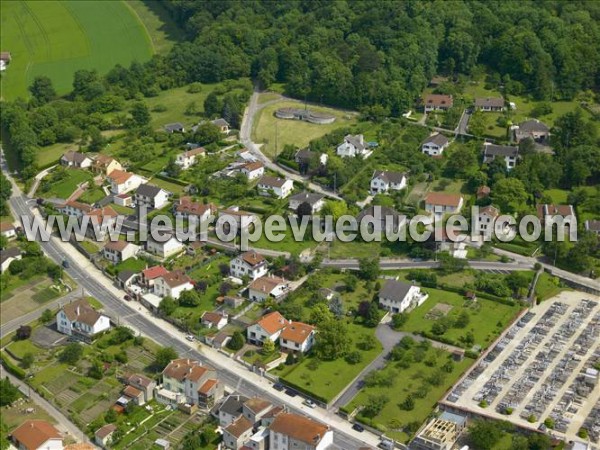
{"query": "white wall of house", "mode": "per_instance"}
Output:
(276, 191)
(256, 333)
(431, 149)
(254, 174)
(132, 183)
(280, 441)
(413, 297)
(240, 268)
(162, 289)
(165, 249)
(157, 202)
(379, 185)
(444, 209)
(303, 347)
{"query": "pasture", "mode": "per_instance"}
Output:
(58, 38)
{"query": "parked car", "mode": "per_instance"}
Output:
(66, 264)
(190, 337)
(278, 387)
(358, 427)
(127, 297)
(291, 392)
(310, 403)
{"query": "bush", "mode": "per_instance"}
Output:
(354, 357)
(71, 354)
(10, 367)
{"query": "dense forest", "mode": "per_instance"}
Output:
(356, 53)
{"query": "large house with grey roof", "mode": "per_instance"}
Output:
(353, 145)
(78, 318)
(151, 196)
(435, 144)
(275, 186)
(397, 297)
(383, 180)
(509, 153)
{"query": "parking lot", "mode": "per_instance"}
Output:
(542, 370)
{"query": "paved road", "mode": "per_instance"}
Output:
(231, 374)
(463, 123)
(393, 264)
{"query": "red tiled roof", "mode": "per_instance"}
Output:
(297, 332)
(272, 322)
(207, 386)
(440, 198)
(300, 428)
(154, 272)
(266, 284)
(32, 434)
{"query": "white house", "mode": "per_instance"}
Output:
(215, 320)
(187, 381)
(267, 286)
(122, 182)
(253, 170)
(297, 337)
(8, 230)
(169, 247)
(222, 124)
(117, 251)
(486, 218)
(276, 187)
(188, 158)
(532, 129)
(80, 318)
(437, 102)
(290, 431)
(490, 104)
(37, 435)
(172, 284)
(269, 326)
(76, 159)
(353, 146)
(242, 219)
(440, 203)
(316, 201)
(103, 435)
(382, 181)
(508, 153)
(76, 209)
(186, 208)
(250, 264)
(435, 144)
(7, 256)
(397, 297)
(151, 196)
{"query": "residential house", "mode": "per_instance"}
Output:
(117, 251)
(441, 203)
(103, 435)
(144, 384)
(123, 200)
(101, 222)
(556, 212)
(214, 320)
(172, 284)
(305, 157)
(291, 431)
(592, 226)
(253, 170)
(105, 164)
(76, 160)
(437, 102)
(531, 129)
(435, 144)
(126, 280)
(274, 186)
(268, 286)
(381, 219)
(7, 256)
(297, 337)
(237, 433)
(231, 409)
(176, 127)
(250, 264)
(486, 219)
(382, 181)
(397, 297)
(222, 124)
(75, 209)
(269, 326)
(255, 408)
(170, 246)
(151, 196)
(81, 319)
(315, 201)
(122, 182)
(37, 435)
(8, 230)
(353, 146)
(189, 157)
(149, 275)
(188, 381)
(509, 153)
(489, 104)
(132, 394)
(186, 208)
(234, 214)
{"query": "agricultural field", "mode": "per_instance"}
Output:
(159, 25)
(267, 128)
(55, 39)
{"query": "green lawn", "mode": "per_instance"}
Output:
(169, 186)
(90, 247)
(55, 39)
(487, 318)
(355, 249)
(288, 244)
(137, 265)
(20, 348)
(407, 381)
(159, 25)
(547, 286)
(122, 209)
(92, 196)
(65, 187)
(294, 132)
(46, 156)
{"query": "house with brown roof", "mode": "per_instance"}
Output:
(249, 264)
(187, 208)
(297, 337)
(214, 320)
(268, 286)
(117, 251)
(435, 144)
(383, 180)
(79, 318)
(437, 102)
(275, 186)
(547, 212)
(269, 326)
(486, 218)
(290, 431)
(490, 104)
(188, 381)
(144, 384)
(242, 219)
(122, 182)
(8, 230)
(75, 209)
(255, 408)
(103, 435)
(189, 157)
(75, 160)
(440, 203)
(132, 394)
(483, 192)
(37, 435)
(237, 433)
(172, 284)
(105, 164)
(253, 170)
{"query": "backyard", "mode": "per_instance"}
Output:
(62, 183)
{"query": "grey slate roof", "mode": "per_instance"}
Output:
(233, 405)
(356, 141)
(305, 155)
(177, 126)
(220, 122)
(491, 102)
(309, 197)
(492, 150)
(533, 125)
(437, 139)
(12, 252)
(271, 181)
(390, 177)
(394, 290)
(148, 190)
(125, 275)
